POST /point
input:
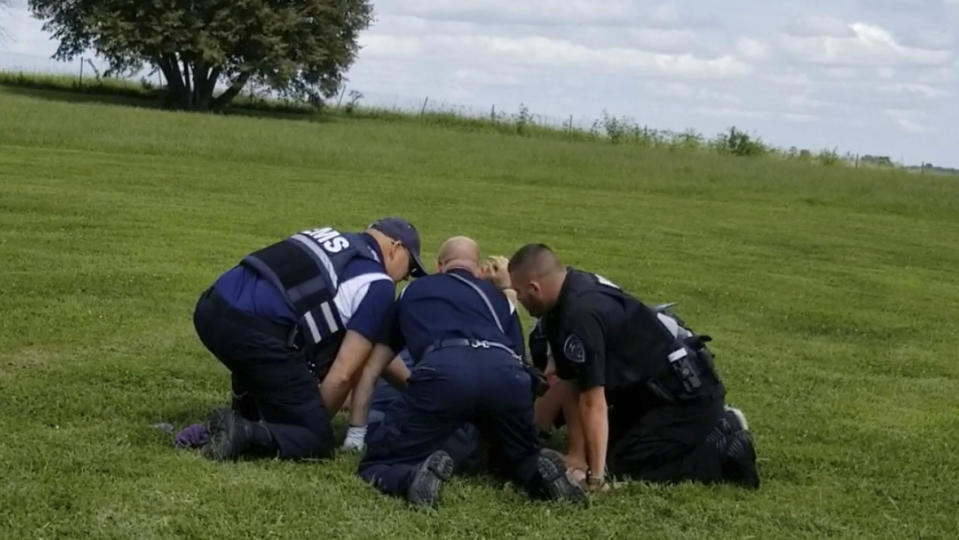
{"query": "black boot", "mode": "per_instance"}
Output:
(428, 478)
(738, 454)
(552, 475)
(231, 435)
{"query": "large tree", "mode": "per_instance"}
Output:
(299, 48)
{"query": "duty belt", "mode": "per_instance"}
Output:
(471, 343)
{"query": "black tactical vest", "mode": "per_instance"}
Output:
(647, 352)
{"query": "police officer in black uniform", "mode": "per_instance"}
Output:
(306, 309)
(466, 339)
(649, 400)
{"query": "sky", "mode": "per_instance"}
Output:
(876, 77)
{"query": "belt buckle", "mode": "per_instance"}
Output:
(477, 344)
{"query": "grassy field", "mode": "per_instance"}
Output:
(832, 295)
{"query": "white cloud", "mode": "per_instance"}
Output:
(819, 26)
(908, 120)
(668, 40)
(943, 75)
(802, 101)
(913, 89)
(539, 12)
(676, 90)
(751, 49)
(665, 15)
(732, 112)
(685, 91)
(800, 117)
(381, 45)
(22, 33)
(931, 38)
(869, 45)
(479, 77)
(549, 52)
(790, 78)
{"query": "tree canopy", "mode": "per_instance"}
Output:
(298, 48)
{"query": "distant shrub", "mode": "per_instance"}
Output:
(828, 157)
(355, 97)
(524, 120)
(738, 143)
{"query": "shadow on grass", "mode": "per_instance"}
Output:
(66, 96)
(154, 100)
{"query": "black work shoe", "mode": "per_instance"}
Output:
(230, 435)
(428, 478)
(739, 460)
(734, 420)
(558, 486)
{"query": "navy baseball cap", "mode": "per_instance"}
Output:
(405, 233)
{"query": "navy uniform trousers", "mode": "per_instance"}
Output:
(281, 391)
(447, 389)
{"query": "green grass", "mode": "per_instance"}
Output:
(607, 129)
(832, 295)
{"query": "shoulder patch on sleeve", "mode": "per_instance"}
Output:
(573, 349)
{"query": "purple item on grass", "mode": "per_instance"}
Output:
(193, 436)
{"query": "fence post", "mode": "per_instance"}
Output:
(570, 130)
(492, 112)
(423, 108)
(81, 72)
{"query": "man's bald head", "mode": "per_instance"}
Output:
(537, 274)
(458, 252)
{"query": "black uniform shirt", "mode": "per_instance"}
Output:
(601, 336)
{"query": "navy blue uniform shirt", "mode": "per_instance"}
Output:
(364, 298)
(439, 307)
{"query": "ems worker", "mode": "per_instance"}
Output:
(306, 309)
(381, 383)
(467, 341)
(464, 445)
(646, 400)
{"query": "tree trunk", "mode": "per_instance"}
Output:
(175, 88)
(204, 83)
(227, 96)
(187, 102)
(190, 85)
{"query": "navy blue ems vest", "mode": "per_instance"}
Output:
(307, 269)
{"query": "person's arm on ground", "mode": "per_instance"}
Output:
(346, 368)
(587, 342)
(371, 321)
(362, 396)
(396, 373)
(592, 406)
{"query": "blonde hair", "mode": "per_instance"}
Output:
(495, 270)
